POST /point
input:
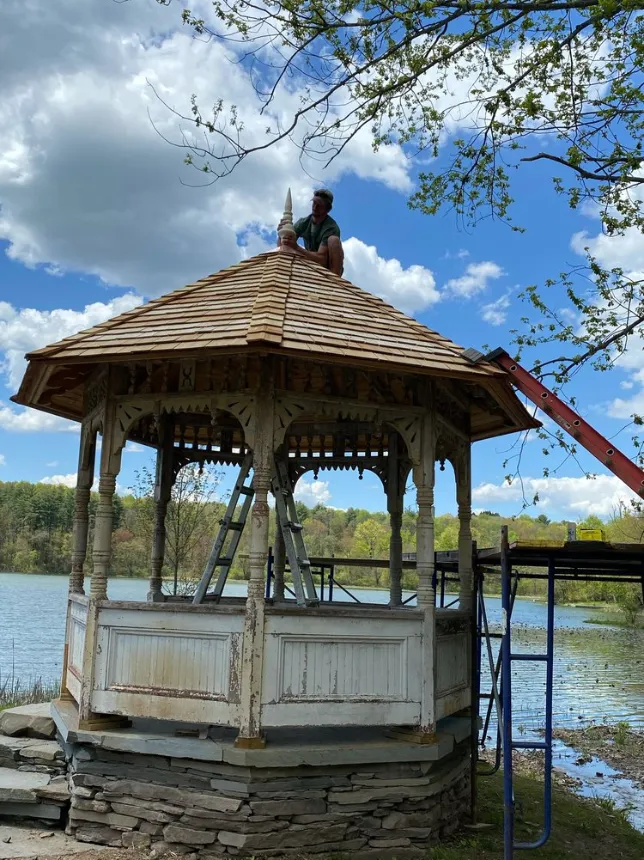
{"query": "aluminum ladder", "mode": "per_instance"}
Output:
(227, 525)
(298, 561)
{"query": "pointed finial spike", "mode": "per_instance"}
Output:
(286, 224)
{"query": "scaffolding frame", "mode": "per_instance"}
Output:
(581, 561)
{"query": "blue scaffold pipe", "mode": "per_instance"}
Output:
(547, 742)
(506, 670)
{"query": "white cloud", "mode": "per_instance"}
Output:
(495, 313)
(312, 492)
(3, 460)
(574, 497)
(625, 408)
(60, 480)
(411, 289)
(475, 279)
(625, 252)
(24, 330)
(76, 131)
(31, 421)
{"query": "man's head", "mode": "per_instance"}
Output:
(322, 204)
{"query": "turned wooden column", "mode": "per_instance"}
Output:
(80, 527)
(425, 563)
(463, 474)
(395, 495)
(162, 494)
(102, 553)
(250, 734)
(111, 449)
(279, 563)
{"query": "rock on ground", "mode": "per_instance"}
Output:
(31, 721)
(28, 842)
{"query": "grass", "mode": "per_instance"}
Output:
(616, 620)
(14, 692)
(581, 827)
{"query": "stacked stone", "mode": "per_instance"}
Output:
(213, 809)
(33, 767)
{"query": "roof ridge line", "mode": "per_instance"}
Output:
(268, 313)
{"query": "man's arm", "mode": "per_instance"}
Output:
(321, 256)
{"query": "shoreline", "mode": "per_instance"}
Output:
(528, 598)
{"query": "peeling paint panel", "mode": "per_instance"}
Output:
(168, 664)
(344, 668)
(341, 670)
(452, 663)
(171, 662)
(77, 625)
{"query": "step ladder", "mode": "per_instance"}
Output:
(298, 561)
(227, 525)
(291, 529)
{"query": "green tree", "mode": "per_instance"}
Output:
(188, 525)
(481, 92)
(371, 540)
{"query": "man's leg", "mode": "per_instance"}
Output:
(336, 255)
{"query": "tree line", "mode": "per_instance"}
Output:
(36, 535)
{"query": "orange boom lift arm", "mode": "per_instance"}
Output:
(581, 431)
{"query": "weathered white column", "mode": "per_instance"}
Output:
(425, 562)
(250, 733)
(162, 494)
(101, 558)
(279, 563)
(84, 480)
(395, 494)
(80, 528)
(463, 474)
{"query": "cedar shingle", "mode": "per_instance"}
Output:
(279, 299)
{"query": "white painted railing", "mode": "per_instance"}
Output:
(168, 662)
(342, 667)
(324, 666)
(453, 662)
(77, 623)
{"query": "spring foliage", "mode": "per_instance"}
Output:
(36, 535)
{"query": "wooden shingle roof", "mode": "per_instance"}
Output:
(284, 301)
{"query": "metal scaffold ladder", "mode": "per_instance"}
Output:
(508, 657)
(296, 554)
(227, 525)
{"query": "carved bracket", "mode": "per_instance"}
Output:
(131, 410)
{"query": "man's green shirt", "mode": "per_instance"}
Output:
(315, 235)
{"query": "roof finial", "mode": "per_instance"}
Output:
(286, 224)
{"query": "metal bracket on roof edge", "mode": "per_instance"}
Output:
(475, 357)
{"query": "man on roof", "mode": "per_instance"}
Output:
(320, 234)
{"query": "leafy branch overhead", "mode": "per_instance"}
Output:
(476, 92)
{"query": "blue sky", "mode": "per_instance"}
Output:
(94, 218)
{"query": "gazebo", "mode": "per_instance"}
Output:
(277, 359)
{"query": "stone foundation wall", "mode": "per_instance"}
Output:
(33, 767)
(208, 810)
